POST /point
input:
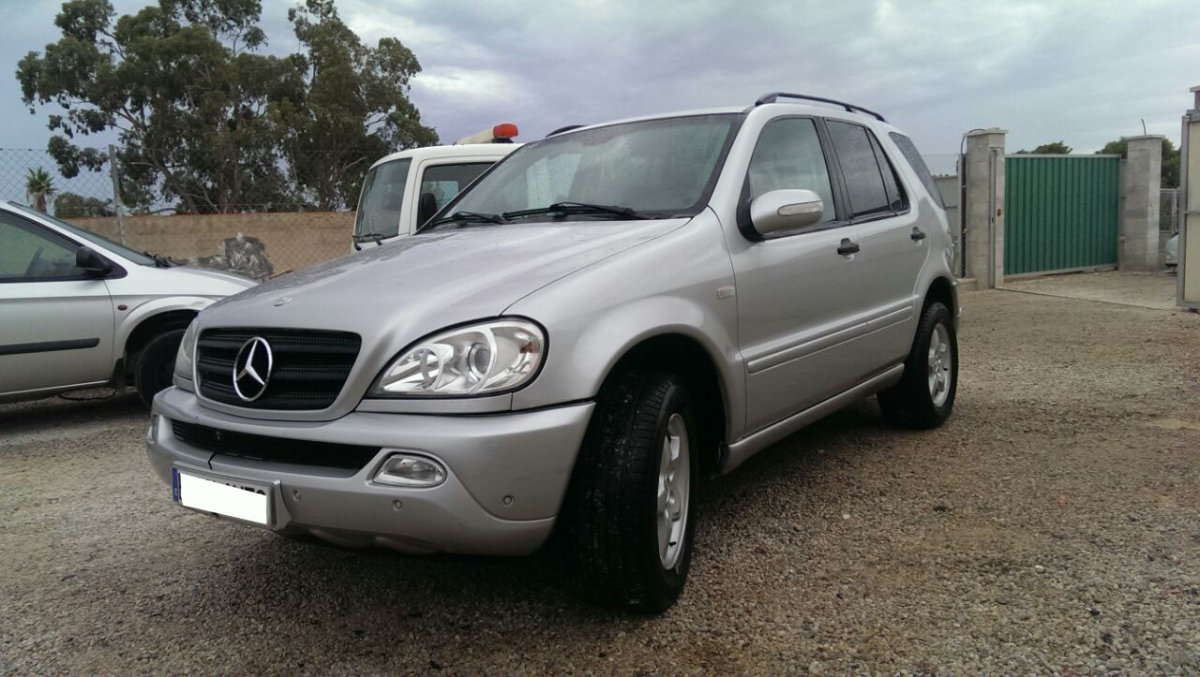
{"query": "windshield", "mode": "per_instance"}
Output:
(118, 249)
(381, 200)
(656, 169)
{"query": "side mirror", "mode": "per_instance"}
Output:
(779, 211)
(87, 259)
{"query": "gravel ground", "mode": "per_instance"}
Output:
(1053, 526)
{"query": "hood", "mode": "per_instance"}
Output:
(240, 281)
(410, 287)
(150, 282)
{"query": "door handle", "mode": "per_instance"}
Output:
(847, 247)
(917, 234)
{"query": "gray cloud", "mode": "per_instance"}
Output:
(1079, 70)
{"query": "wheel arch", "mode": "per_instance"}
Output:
(942, 290)
(687, 358)
(145, 326)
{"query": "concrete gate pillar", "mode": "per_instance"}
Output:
(984, 208)
(1141, 179)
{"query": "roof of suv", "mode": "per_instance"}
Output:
(794, 102)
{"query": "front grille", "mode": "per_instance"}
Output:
(310, 367)
(277, 449)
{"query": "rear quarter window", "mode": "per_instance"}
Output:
(914, 159)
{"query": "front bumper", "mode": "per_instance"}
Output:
(506, 475)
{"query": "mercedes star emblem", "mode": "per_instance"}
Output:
(252, 369)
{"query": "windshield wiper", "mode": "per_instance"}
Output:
(467, 217)
(568, 208)
(159, 260)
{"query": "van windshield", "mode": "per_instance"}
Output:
(655, 169)
(382, 199)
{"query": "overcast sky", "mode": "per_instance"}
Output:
(1081, 71)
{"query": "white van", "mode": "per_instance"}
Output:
(402, 190)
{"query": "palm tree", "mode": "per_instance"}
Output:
(38, 188)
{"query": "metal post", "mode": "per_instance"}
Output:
(961, 167)
(116, 181)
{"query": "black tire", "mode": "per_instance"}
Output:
(156, 364)
(910, 403)
(610, 515)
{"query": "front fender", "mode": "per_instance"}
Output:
(679, 284)
(576, 369)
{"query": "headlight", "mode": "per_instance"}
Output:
(187, 348)
(481, 359)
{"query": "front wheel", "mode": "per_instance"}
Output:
(156, 364)
(627, 518)
(924, 397)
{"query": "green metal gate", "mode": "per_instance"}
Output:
(1061, 212)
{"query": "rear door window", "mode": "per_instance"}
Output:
(860, 167)
(897, 198)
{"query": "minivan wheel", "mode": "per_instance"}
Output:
(627, 523)
(924, 397)
(156, 364)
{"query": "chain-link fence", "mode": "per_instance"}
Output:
(31, 176)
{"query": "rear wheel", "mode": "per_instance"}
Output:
(156, 364)
(925, 395)
(627, 518)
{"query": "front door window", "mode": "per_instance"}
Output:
(32, 254)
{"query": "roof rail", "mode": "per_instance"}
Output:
(775, 96)
(561, 130)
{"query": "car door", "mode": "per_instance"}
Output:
(796, 294)
(893, 244)
(56, 322)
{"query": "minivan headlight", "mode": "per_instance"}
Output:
(480, 359)
(187, 349)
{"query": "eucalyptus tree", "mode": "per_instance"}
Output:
(206, 121)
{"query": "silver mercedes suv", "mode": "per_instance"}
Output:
(602, 320)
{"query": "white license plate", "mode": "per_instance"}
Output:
(230, 498)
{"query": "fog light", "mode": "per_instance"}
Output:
(152, 432)
(403, 470)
